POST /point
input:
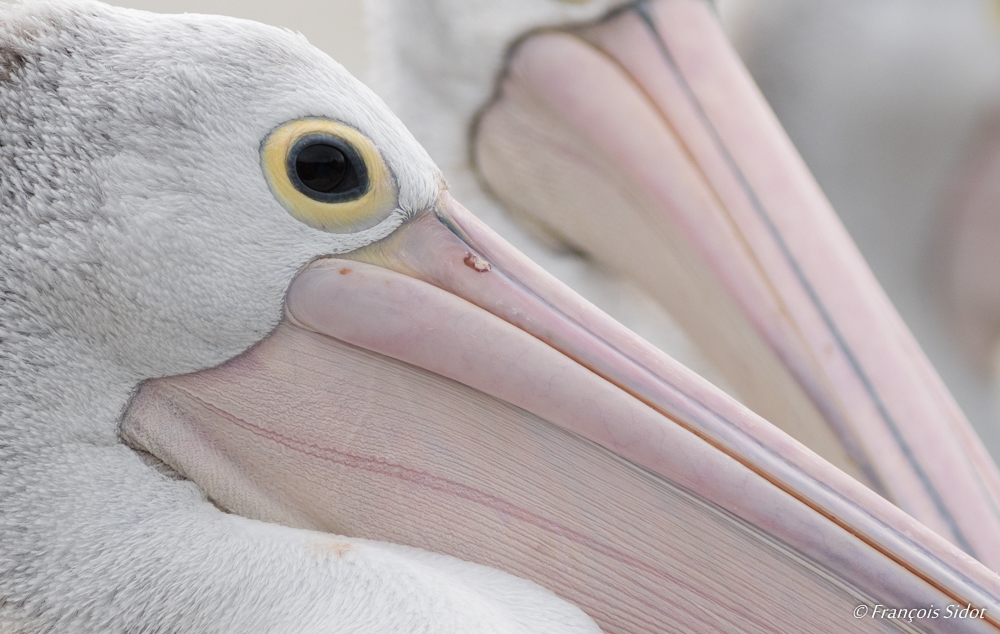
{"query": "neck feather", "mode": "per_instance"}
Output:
(53, 392)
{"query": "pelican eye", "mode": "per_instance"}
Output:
(327, 168)
(328, 175)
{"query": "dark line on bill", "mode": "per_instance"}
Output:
(640, 9)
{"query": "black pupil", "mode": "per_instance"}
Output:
(323, 168)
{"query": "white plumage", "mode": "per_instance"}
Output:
(138, 239)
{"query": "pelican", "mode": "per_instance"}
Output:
(262, 372)
(630, 139)
(141, 239)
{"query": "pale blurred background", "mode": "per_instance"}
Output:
(336, 26)
(882, 98)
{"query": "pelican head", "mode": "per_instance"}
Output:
(246, 331)
(150, 228)
(139, 215)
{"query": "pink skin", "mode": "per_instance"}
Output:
(312, 429)
(695, 135)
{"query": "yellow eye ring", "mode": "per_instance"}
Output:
(351, 191)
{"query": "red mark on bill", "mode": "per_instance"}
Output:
(476, 263)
